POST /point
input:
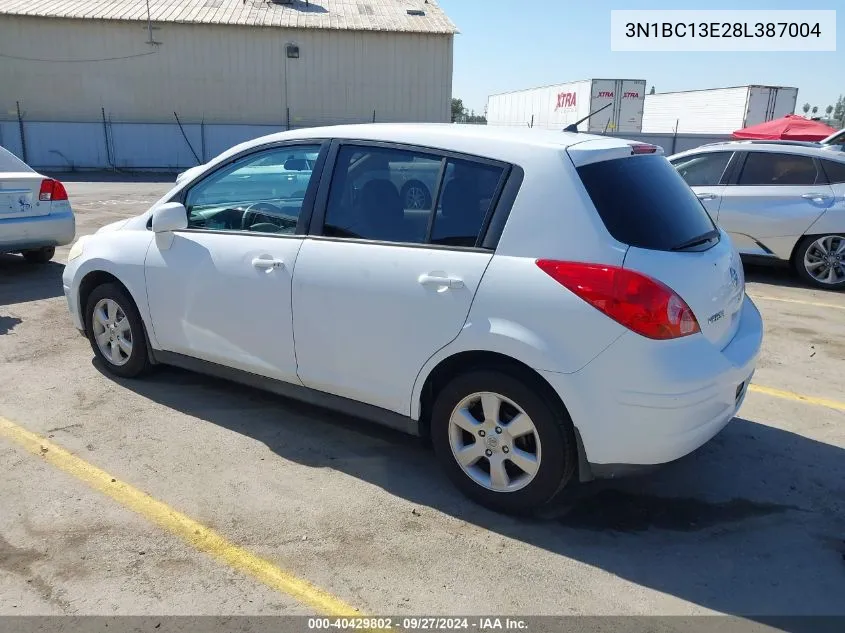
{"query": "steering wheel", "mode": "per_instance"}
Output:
(252, 212)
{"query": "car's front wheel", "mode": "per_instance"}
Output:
(501, 442)
(820, 261)
(40, 255)
(115, 331)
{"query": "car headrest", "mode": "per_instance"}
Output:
(382, 195)
(460, 197)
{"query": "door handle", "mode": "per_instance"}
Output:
(706, 196)
(816, 197)
(265, 263)
(443, 282)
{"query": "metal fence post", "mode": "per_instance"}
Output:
(675, 136)
(287, 118)
(23, 136)
(202, 139)
(374, 116)
(106, 139)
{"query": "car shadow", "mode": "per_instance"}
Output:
(752, 524)
(21, 281)
(778, 275)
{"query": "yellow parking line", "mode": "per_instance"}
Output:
(797, 397)
(806, 303)
(195, 534)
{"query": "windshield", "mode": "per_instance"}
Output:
(837, 138)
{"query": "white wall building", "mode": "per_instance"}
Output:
(248, 62)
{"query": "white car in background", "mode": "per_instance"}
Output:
(562, 309)
(781, 202)
(35, 213)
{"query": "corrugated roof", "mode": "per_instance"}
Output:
(354, 15)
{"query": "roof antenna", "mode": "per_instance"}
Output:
(573, 127)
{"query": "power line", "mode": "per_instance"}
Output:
(53, 61)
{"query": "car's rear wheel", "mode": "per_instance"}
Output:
(501, 442)
(820, 261)
(115, 331)
(40, 255)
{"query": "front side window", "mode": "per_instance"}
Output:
(703, 170)
(773, 168)
(261, 193)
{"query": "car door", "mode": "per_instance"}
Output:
(775, 195)
(704, 172)
(220, 291)
(376, 291)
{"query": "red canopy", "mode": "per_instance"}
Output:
(790, 128)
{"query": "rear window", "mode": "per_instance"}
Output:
(644, 202)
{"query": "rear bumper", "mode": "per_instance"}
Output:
(54, 229)
(643, 402)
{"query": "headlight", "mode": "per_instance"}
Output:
(76, 249)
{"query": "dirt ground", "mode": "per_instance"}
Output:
(753, 523)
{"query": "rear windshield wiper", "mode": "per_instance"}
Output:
(697, 241)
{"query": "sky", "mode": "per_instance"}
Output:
(570, 40)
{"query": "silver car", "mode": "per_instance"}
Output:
(35, 214)
(779, 202)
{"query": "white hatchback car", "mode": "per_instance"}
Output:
(564, 308)
(35, 213)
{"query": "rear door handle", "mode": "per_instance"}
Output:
(706, 196)
(267, 263)
(441, 281)
(816, 197)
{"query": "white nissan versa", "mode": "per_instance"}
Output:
(562, 309)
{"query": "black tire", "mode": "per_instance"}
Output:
(138, 360)
(554, 428)
(408, 202)
(39, 255)
(798, 262)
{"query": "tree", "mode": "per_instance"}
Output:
(652, 91)
(839, 109)
(458, 110)
(805, 107)
(828, 110)
(815, 110)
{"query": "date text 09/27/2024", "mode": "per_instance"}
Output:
(419, 623)
(722, 29)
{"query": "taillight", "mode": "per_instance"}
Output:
(643, 148)
(640, 303)
(52, 190)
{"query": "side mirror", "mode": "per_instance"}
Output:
(171, 216)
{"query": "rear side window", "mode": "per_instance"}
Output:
(773, 168)
(835, 171)
(644, 202)
(465, 200)
(703, 170)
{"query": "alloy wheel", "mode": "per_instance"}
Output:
(494, 442)
(112, 332)
(415, 197)
(824, 260)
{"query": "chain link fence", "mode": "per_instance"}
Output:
(120, 145)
